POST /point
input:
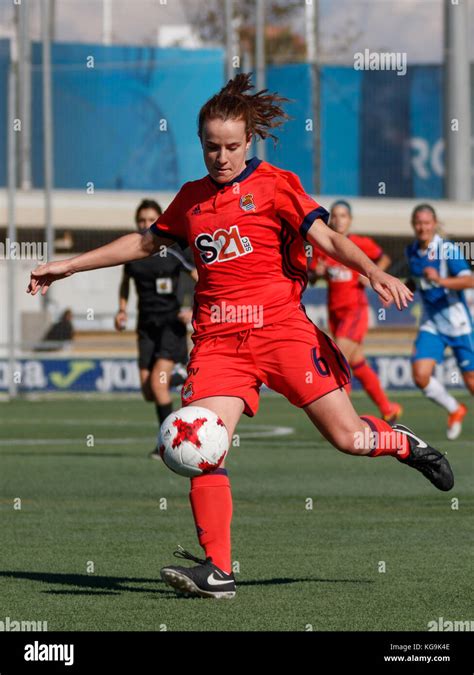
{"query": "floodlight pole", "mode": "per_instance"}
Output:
(260, 62)
(312, 46)
(24, 83)
(106, 22)
(11, 211)
(229, 38)
(457, 86)
(47, 134)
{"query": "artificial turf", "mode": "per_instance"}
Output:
(98, 519)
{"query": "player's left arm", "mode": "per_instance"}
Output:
(341, 248)
(382, 263)
(303, 214)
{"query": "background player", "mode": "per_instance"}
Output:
(161, 325)
(441, 274)
(246, 222)
(348, 308)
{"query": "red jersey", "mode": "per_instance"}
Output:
(344, 287)
(248, 241)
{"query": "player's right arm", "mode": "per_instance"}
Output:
(169, 228)
(133, 246)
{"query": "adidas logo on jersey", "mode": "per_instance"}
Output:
(196, 211)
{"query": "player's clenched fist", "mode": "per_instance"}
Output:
(43, 276)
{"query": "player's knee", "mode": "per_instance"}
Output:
(348, 442)
(469, 381)
(159, 393)
(421, 378)
(159, 388)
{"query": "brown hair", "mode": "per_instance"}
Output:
(148, 204)
(260, 111)
(422, 207)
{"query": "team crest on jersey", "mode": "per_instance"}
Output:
(247, 203)
(187, 391)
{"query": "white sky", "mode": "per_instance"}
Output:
(411, 26)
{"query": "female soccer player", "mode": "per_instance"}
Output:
(161, 326)
(348, 307)
(441, 273)
(246, 222)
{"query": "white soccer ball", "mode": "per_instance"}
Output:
(193, 441)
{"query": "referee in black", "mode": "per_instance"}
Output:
(161, 325)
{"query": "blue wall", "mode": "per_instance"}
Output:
(340, 114)
(375, 126)
(107, 118)
(294, 150)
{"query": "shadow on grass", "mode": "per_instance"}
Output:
(100, 585)
(95, 585)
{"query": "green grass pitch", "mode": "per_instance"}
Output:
(300, 568)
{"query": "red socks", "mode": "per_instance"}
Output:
(386, 441)
(211, 497)
(371, 383)
(211, 502)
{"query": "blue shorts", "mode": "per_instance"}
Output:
(432, 345)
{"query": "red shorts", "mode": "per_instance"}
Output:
(292, 357)
(352, 324)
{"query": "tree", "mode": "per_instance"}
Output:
(281, 42)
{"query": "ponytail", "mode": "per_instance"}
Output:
(261, 111)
